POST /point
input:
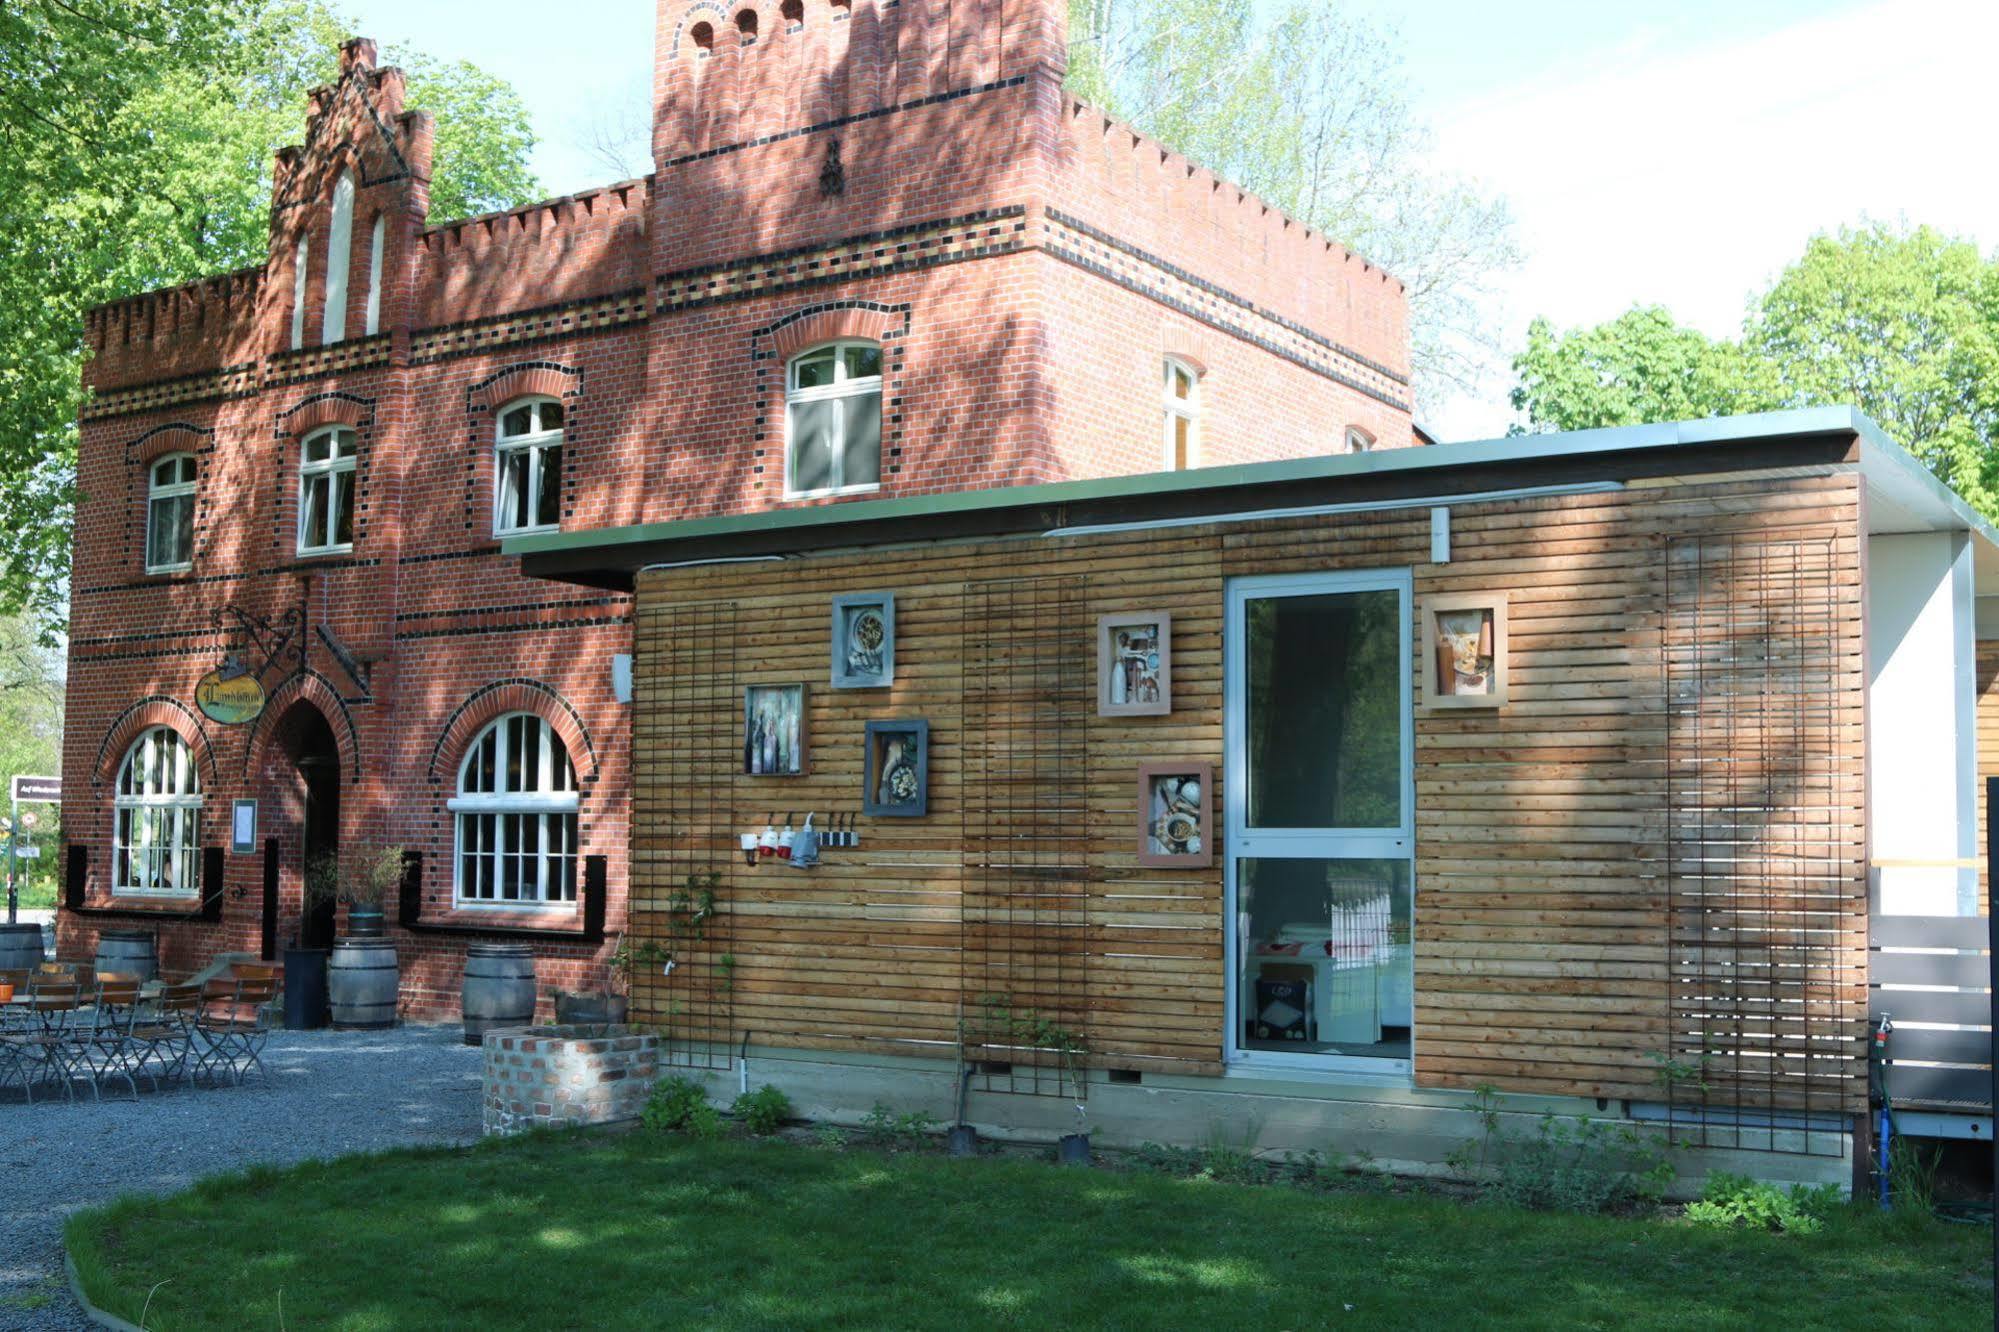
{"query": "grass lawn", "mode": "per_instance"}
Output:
(650, 1231)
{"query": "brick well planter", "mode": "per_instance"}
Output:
(545, 1077)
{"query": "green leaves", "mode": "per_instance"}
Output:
(1903, 324)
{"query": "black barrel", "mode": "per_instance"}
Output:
(20, 947)
(361, 983)
(129, 953)
(499, 988)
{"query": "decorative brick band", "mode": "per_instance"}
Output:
(535, 379)
(550, 1077)
(497, 700)
(1133, 269)
(870, 254)
(159, 710)
(231, 381)
(307, 686)
(324, 409)
(318, 362)
(524, 326)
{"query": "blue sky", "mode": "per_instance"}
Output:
(1678, 153)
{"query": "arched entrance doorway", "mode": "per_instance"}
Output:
(302, 767)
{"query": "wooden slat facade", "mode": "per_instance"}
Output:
(1552, 841)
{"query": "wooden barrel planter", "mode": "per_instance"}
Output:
(129, 953)
(361, 984)
(20, 947)
(499, 988)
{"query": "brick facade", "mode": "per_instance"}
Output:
(908, 173)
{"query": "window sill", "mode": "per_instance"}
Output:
(493, 917)
(791, 495)
(323, 552)
(502, 533)
(123, 895)
(168, 570)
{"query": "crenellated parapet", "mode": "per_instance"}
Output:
(560, 250)
(185, 330)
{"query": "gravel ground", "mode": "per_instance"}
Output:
(329, 1094)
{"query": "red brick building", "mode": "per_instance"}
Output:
(882, 254)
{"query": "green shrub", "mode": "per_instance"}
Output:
(678, 1105)
(1736, 1202)
(762, 1111)
(885, 1128)
(1160, 1159)
(829, 1136)
(1580, 1165)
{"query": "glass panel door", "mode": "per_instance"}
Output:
(1319, 815)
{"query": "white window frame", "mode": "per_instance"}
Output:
(1240, 842)
(339, 257)
(1177, 409)
(1359, 440)
(167, 805)
(155, 492)
(544, 802)
(374, 324)
(535, 444)
(841, 389)
(332, 468)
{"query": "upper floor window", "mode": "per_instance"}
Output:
(298, 295)
(375, 275)
(326, 492)
(157, 808)
(1359, 440)
(170, 514)
(1183, 416)
(833, 420)
(339, 249)
(515, 814)
(528, 496)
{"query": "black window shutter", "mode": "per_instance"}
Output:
(77, 877)
(212, 865)
(595, 875)
(409, 907)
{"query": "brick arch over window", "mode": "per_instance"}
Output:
(325, 409)
(809, 328)
(497, 700)
(532, 379)
(314, 688)
(177, 437)
(142, 716)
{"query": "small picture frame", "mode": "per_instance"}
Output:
(775, 739)
(1464, 650)
(1135, 664)
(243, 827)
(863, 645)
(897, 770)
(1176, 815)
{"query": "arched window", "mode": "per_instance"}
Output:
(793, 11)
(1358, 440)
(158, 812)
(298, 295)
(833, 420)
(527, 496)
(703, 37)
(516, 816)
(1183, 416)
(375, 275)
(746, 25)
(170, 514)
(326, 492)
(339, 248)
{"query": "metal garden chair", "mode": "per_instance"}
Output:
(163, 1034)
(39, 1046)
(103, 1043)
(231, 1027)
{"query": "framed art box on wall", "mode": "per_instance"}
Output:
(1135, 664)
(897, 770)
(1176, 804)
(775, 743)
(864, 640)
(1464, 650)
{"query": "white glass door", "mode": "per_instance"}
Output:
(1319, 816)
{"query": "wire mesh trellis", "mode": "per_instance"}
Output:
(1027, 698)
(688, 760)
(1762, 871)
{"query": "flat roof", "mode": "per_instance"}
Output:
(1903, 494)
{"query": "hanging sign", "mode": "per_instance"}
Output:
(229, 699)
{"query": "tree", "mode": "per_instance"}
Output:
(1310, 113)
(1903, 324)
(138, 137)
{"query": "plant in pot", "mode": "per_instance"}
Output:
(687, 915)
(365, 883)
(1032, 1030)
(363, 978)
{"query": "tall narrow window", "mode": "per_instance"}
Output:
(375, 275)
(339, 249)
(157, 813)
(326, 492)
(1359, 440)
(298, 295)
(170, 514)
(516, 816)
(528, 496)
(1183, 416)
(833, 414)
